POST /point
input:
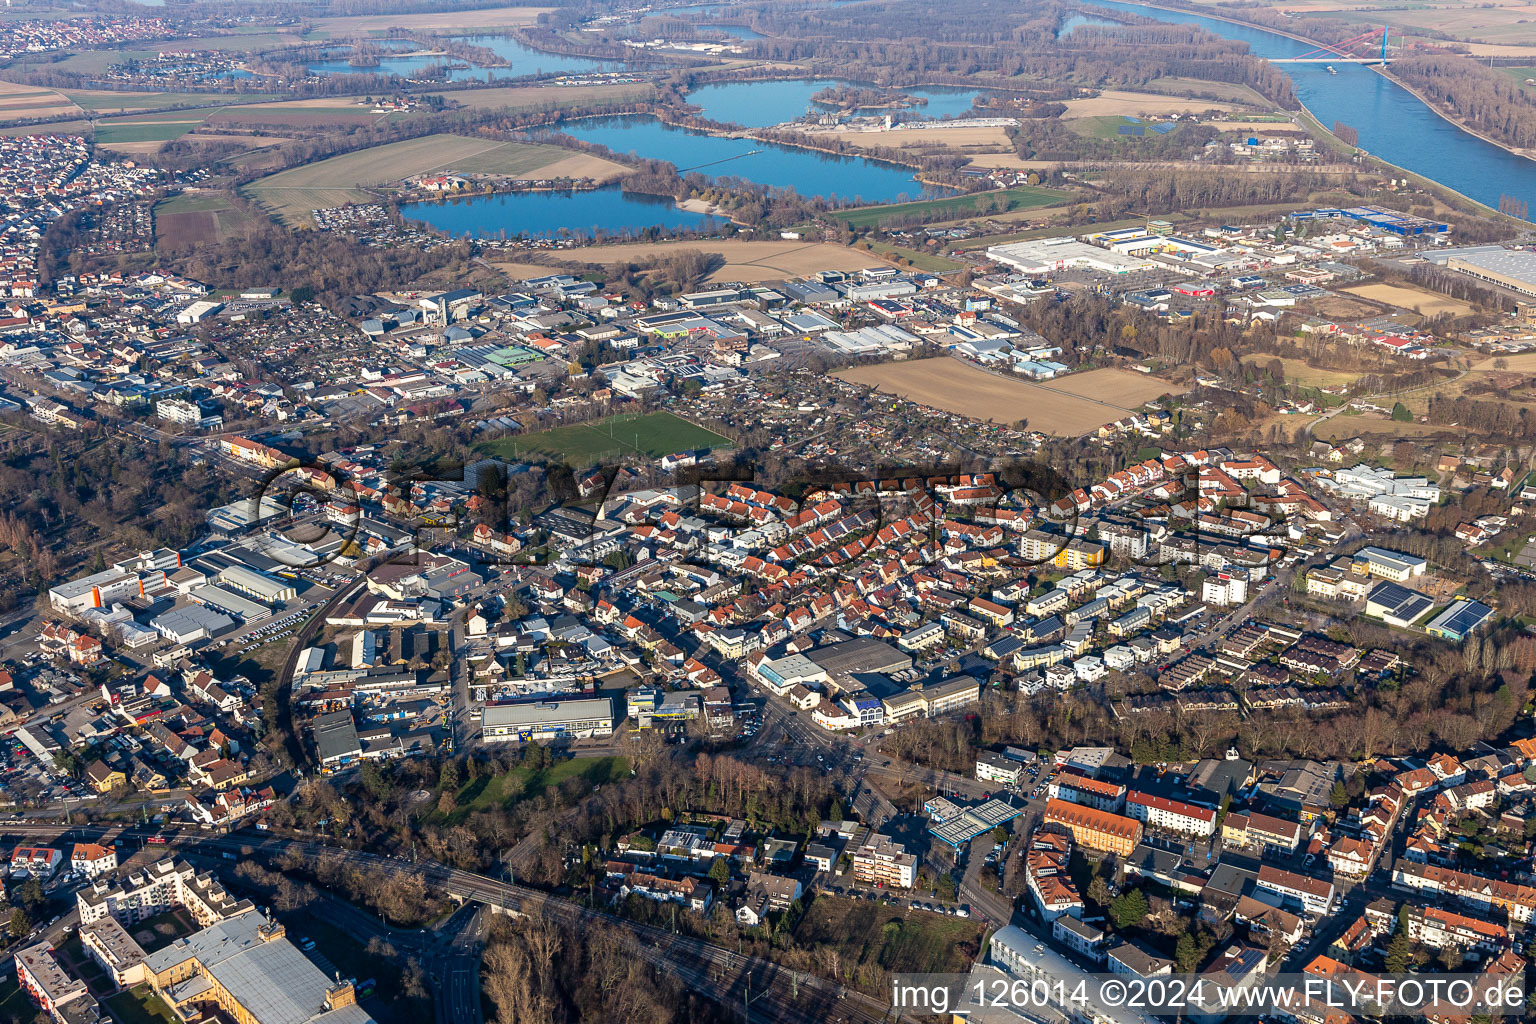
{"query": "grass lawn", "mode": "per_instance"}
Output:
(146, 100)
(1101, 126)
(139, 1005)
(1026, 197)
(1308, 376)
(14, 1003)
(921, 260)
(873, 939)
(651, 434)
(1506, 545)
(508, 788)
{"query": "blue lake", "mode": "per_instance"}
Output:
(1393, 123)
(759, 104)
(739, 31)
(525, 60)
(548, 214)
(522, 61)
(545, 214)
(807, 172)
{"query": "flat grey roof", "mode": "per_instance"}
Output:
(269, 977)
(1518, 264)
(861, 654)
(192, 617)
(547, 712)
(336, 735)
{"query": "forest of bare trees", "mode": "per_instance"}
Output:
(891, 42)
(543, 971)
(1492, 419)
(1486, 100)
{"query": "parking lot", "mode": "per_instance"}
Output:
(887, 897)
(277, 629)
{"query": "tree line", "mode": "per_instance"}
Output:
(1485, 100)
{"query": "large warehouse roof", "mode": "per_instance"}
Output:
(1513, 268)
(547, 712)
(861, 654)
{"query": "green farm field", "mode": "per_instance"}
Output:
(1100, 126)
(651, 434)
(197, 217)
(955, 207)
(113, 101)
(142, 131)
(291, 194)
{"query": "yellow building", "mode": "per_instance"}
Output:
(1079, 554)
(104, 778)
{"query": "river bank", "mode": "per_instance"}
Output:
(1230, 21)
(1385, 71)
(1428, 183)
(1399, 129)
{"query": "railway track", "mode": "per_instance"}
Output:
(751, 987)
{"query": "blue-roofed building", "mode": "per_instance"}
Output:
(1459, 619)
(1396, 605)
(869, 708)
(958, 829)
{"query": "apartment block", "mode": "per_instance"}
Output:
(155, 889)
(1093, 828)
(883, 861)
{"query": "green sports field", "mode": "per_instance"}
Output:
(651, 434)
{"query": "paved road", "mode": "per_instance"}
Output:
(985, 901)
(1331, 413)
(455, 967)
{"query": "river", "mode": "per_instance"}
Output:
(1394, 124)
